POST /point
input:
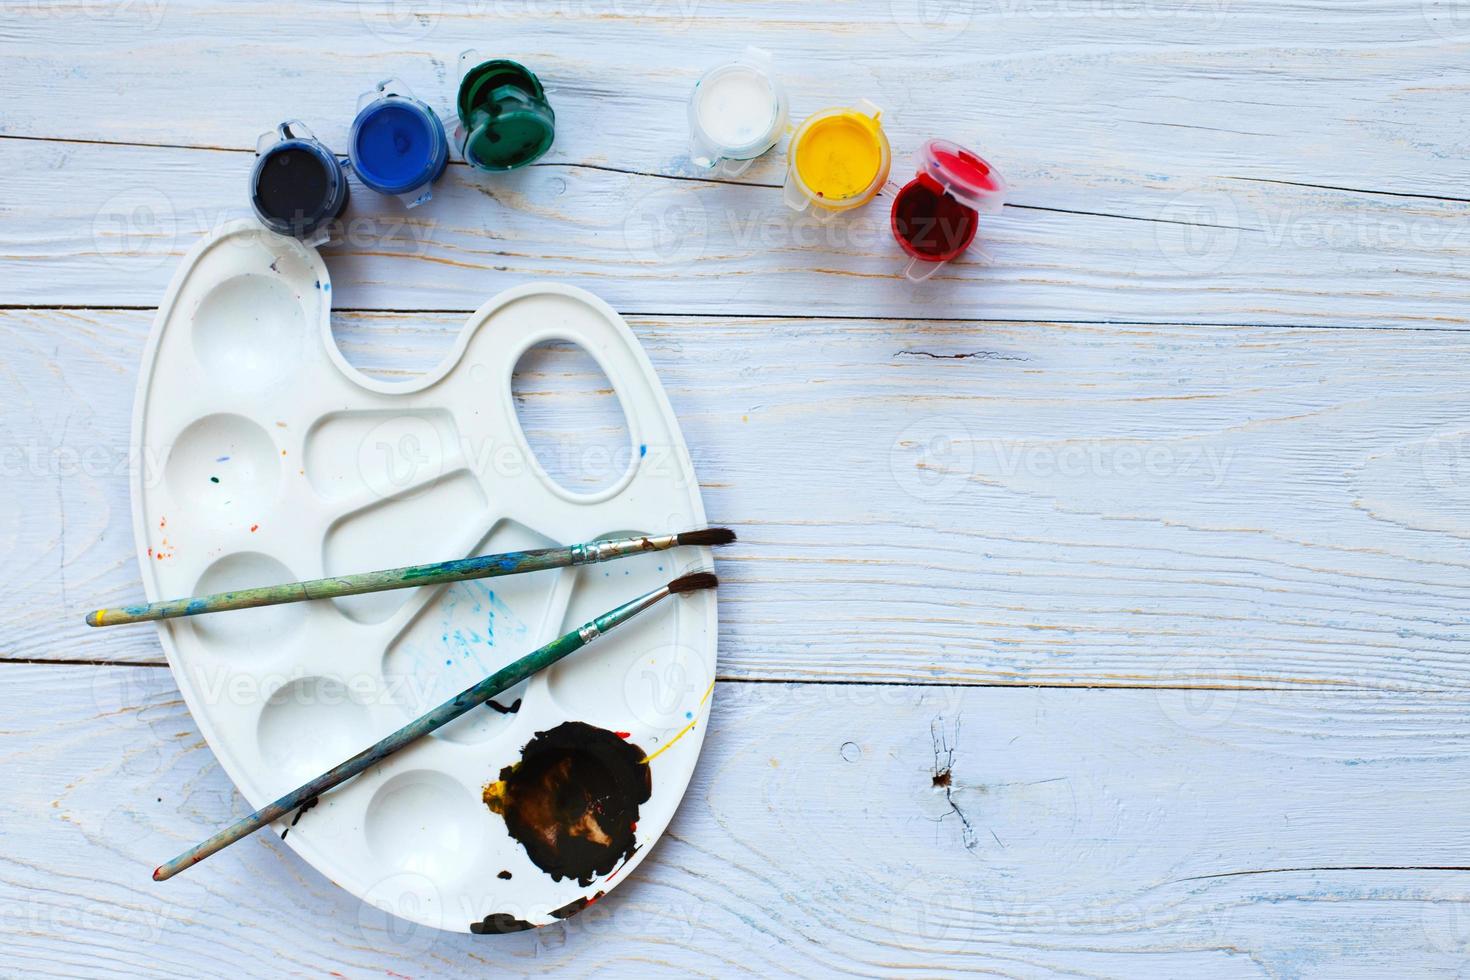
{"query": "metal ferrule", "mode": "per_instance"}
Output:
(627, 611)
(595, 551)
(589, 632)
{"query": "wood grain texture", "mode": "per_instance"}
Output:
(1193, 420)
(1166, 87)
(1083, 833)
(1171, 162)
(925, 501)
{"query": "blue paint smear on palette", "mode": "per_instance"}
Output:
(471, 618)
(468, 633)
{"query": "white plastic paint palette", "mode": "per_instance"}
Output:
(272, 460)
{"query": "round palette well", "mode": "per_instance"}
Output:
(276, 460)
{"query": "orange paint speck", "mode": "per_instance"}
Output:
(150, 552)
(254, 528)
(623, 734)
(163, 522)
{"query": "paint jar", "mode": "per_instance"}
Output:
(298, 186)
(737, 112)
(397, 146)
(505, 121)
(838, 160)
(935, 215)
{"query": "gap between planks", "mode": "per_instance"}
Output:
(824, 318)
(833, 682)
(883, 194)
(208, 148)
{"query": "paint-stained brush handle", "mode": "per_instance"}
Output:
(410, 576)
(497, 683)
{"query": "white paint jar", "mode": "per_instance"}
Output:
(737, 112)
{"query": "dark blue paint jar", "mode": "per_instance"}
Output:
(398, 145)
(297, 185)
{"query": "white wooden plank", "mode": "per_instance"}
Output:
(1359, 94)
(1083, 833)
(926, 501)
(1169, 140)
(1220, 251)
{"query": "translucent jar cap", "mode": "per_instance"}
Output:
(737, 111)
(505, 120)
(963, 174)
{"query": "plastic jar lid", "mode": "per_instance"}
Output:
(506, 119)
(838, 159)
(297, 184)
(963, 174)
(398, 145)
(737, 111)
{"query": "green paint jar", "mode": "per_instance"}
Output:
(505, 121)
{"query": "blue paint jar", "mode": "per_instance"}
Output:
(297, 186)
(398, 145)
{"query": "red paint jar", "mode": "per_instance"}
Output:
(935, 215)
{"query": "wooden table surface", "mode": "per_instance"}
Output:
(1102, 605)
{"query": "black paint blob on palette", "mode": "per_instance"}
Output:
(572, 801)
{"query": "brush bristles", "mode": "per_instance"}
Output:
(709, 536)
(693, 582)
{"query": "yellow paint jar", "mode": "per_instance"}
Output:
(838, 159)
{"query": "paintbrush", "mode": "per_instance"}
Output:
(471, 697)
(411, 576)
